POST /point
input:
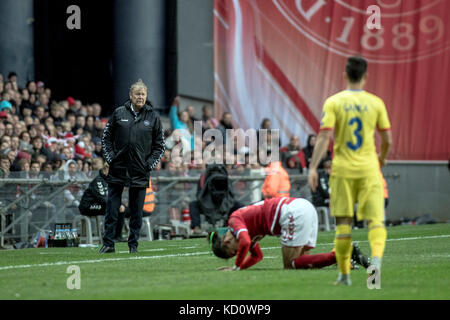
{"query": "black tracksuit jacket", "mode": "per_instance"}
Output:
(132, 146)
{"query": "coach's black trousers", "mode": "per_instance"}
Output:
(136, 203)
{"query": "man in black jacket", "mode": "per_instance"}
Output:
(133, 143)
(93, 201)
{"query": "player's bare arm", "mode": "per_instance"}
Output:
(386, 143)
(323, 139)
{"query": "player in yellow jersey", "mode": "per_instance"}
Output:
(354, 114)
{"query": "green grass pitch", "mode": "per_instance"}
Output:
(416, 265)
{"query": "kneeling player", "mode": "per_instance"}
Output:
(295, 220)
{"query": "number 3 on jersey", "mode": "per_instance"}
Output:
(357, 134)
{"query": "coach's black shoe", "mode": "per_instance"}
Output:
(106, 249)
(133, 250)
(359, 257)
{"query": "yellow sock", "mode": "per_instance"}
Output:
(377, 238)
(343, 245)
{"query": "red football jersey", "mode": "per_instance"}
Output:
(259, 219)
(251, 223)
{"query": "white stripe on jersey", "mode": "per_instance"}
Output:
(276, 213)
(239, 231)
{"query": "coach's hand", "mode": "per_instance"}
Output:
(313, 179)
(225, 269)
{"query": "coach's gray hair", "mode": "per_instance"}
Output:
(137, 85)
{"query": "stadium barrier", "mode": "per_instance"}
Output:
(29, 206)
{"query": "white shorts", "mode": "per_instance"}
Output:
(299, 224)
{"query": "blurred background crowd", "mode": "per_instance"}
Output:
(42, 137)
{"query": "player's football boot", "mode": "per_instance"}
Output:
(353, 265)
(359, 257)
(343, 279)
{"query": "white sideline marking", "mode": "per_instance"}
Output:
(146, 250)
(397, 239)
(59, 263)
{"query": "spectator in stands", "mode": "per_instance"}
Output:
(191, 112)
(97, 110)
(182, 122)
(31, 86)
(98, 148)
(166, 157)
(35, 170)
(225, 123)
(69, 124)
(55, 113)
(100, 125)
(292, 156)
(308, 150)
(32, 131)
(66, 153)
(97, 164)
(178, 144)
(39, 112)
(6, 106)
(2, 129)
(73, 193)
(43, 101)
(266, 124)
(79, 125)
(26, 100)
(32, 100)
(87, 169)
(14, 145)
(12, 158)
(90, 125)
(209, 122)
(19, 127)
(46, 169)
(40, 87)
(9, 129)
(24, 165)
(42, 159)
(38, 148)
(321, 197)
(5, 164)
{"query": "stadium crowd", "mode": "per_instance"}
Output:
(40, 136)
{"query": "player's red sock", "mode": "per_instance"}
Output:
(320, 260)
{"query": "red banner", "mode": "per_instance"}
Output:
(280, 59)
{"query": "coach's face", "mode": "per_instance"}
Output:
(138, 97)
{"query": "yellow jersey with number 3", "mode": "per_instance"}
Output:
(354, 114)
